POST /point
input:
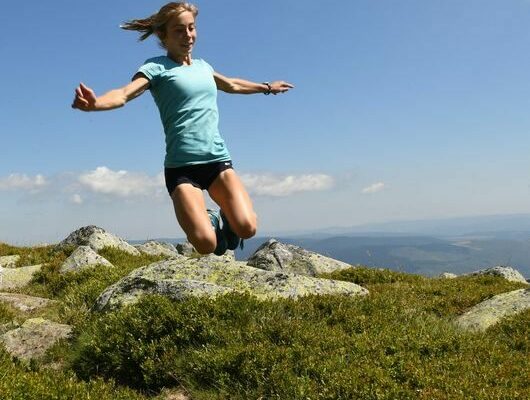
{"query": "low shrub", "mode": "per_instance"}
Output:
(314, 348)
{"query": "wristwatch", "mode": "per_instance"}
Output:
(269, 90)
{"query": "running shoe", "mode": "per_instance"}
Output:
(232, 240)
(215, 219)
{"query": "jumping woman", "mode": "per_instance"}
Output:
(197, 159)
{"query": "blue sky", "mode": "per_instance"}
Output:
(405, 109)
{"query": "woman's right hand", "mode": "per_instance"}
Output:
(85, 98)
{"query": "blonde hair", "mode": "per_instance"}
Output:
(156, 23)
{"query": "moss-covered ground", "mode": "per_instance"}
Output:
(399, 342)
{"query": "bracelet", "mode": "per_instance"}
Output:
(269, 90)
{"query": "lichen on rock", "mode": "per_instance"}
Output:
(33, 338)
(154, 248)
(491, 311)
(211, 276)
(83, 257)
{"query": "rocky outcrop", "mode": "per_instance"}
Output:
(97, 238)
(9, 261)
(33, 338)
(24, 302)
(507, 273)
(17, 277)
(155, 248)
(276, 256)
(211, 276)
(491, 311)
(83, 257)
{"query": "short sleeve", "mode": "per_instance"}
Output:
(151, 69)
(208, 66)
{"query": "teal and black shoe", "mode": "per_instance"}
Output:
(232, 240)
(215, 219)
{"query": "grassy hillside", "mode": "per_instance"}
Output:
(398, 342)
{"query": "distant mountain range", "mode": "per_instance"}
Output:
(424, 255)
(429, 247)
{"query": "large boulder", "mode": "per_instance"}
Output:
(97, 238)
(83, 257)
(507, 273)
(33, 338)
(491, 311)
(9, 261)
(211, 276)
(24, 302)
(276, 256)
(11, 278)
(155, 248)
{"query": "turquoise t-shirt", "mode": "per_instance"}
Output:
(186, 96)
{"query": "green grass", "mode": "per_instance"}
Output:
(399, 342)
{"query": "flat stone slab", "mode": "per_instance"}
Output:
(24, 302)
(83, 257)
(34, 337)
(97, 238)
(155, 248)
(17, 277)
(491, 311)
(9, 261)
(211, 276)
(276, 256)
(505, 272)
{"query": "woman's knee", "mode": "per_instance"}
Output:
(246, 229)
(204, 243)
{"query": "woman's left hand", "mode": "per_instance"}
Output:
(280, 87)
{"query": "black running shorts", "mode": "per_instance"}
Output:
(201, 175)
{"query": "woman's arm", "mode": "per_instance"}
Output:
(241, 86)
(86, 99)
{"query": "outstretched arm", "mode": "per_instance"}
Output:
(86, 100)
(241, 86)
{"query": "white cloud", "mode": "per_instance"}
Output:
(76, 199)
(374, 188)
(121, 183)
(280, 186)
(22, 182)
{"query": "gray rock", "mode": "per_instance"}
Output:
(491, 311)
(9, 261)
(155, 248)
(275, 256)
(97, 238)
(24, 302)
(17, 277)
(448, 275)
(33, 338)
(186, 249)
(507, 273)
(83, 257)
(211, 276)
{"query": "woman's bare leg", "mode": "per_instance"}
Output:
(230, 194)
(190, 210)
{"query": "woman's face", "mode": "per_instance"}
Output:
(180, 34)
